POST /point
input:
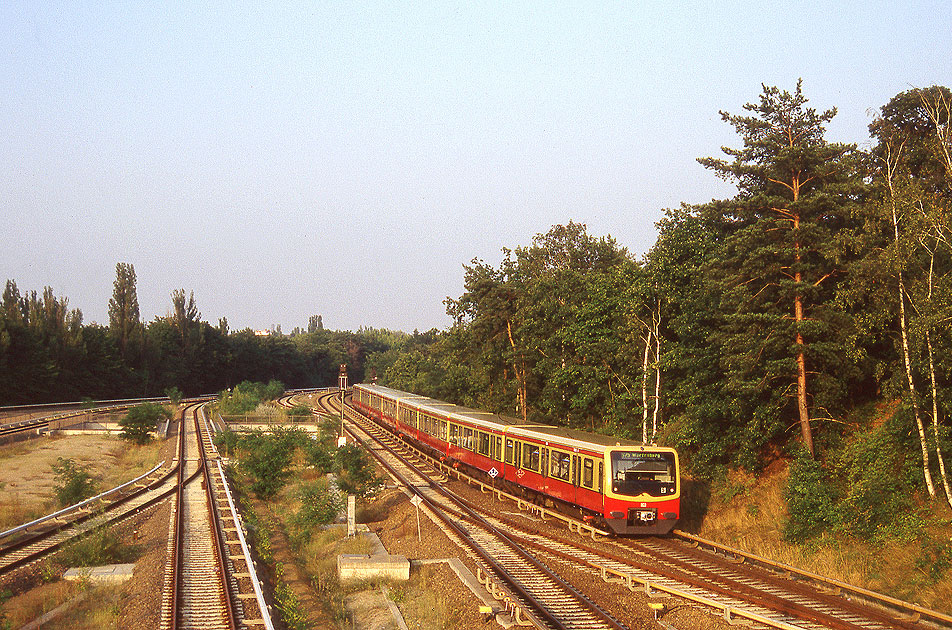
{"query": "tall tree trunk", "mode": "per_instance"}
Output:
(907, 360)
(802, 407)
(656, 322)
(644, 389)
(935, 423)
(519, 369)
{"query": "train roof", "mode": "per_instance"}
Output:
(569, 438)
(390, 392)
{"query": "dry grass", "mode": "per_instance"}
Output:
(26, 607)
(98, 611)
(748, 513)
(424, 599)
(27, 478)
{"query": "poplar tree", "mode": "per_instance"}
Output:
(124, 322)
(778, 258)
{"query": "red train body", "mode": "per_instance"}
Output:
(630, 487)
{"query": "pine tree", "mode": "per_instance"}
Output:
(778, 259)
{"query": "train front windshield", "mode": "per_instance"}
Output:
(638, 472)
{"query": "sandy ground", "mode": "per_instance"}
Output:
(27, 478)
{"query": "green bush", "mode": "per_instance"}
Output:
(175, 395)
(246, 396)
(226, 442)
(935, 559)
(880, 471)
(266, 459)
(287, 602)
(811, 501)
(355, 472)
(291, 437)
(319, 455)
(299, 412)
(140, 422)
(329, 427)
(74, 482)
(259, 531)
(98, 548)
(319, 505)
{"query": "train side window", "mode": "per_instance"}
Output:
(467, 438)
(442, 429)
(588, 473)
(510, 451)
(497, 448)
(454, 433)
(530, 457)
(483, 448)
(560, 465)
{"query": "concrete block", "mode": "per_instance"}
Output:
(109, 573)
(363, 567)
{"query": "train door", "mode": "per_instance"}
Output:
(576, 476)
(544, 469)
(601, 481)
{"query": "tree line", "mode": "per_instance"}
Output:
(47, 353)
(808, 309)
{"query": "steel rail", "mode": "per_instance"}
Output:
(179, 526)
(879, 598)
(239, 531)
(840, 611)
(220, 549)
(77, 506)
(176, 581)
(541, 609)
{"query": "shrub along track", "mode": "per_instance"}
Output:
(784, 598)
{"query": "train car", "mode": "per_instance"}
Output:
(629, 487)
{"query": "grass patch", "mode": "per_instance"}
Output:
(420, 599)
(918, 570)
(22, 609)
(98, 548)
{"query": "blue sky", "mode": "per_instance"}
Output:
(347, 159)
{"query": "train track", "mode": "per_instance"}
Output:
(660, 565)
(532, 591)
(210, 580)
(23, 546)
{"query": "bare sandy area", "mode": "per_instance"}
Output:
(27, 479)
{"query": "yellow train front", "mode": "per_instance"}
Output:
(628, 487)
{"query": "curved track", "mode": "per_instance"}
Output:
(540, 595)
(735, 590)
(210, 578)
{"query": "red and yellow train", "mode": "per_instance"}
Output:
(630, 487)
